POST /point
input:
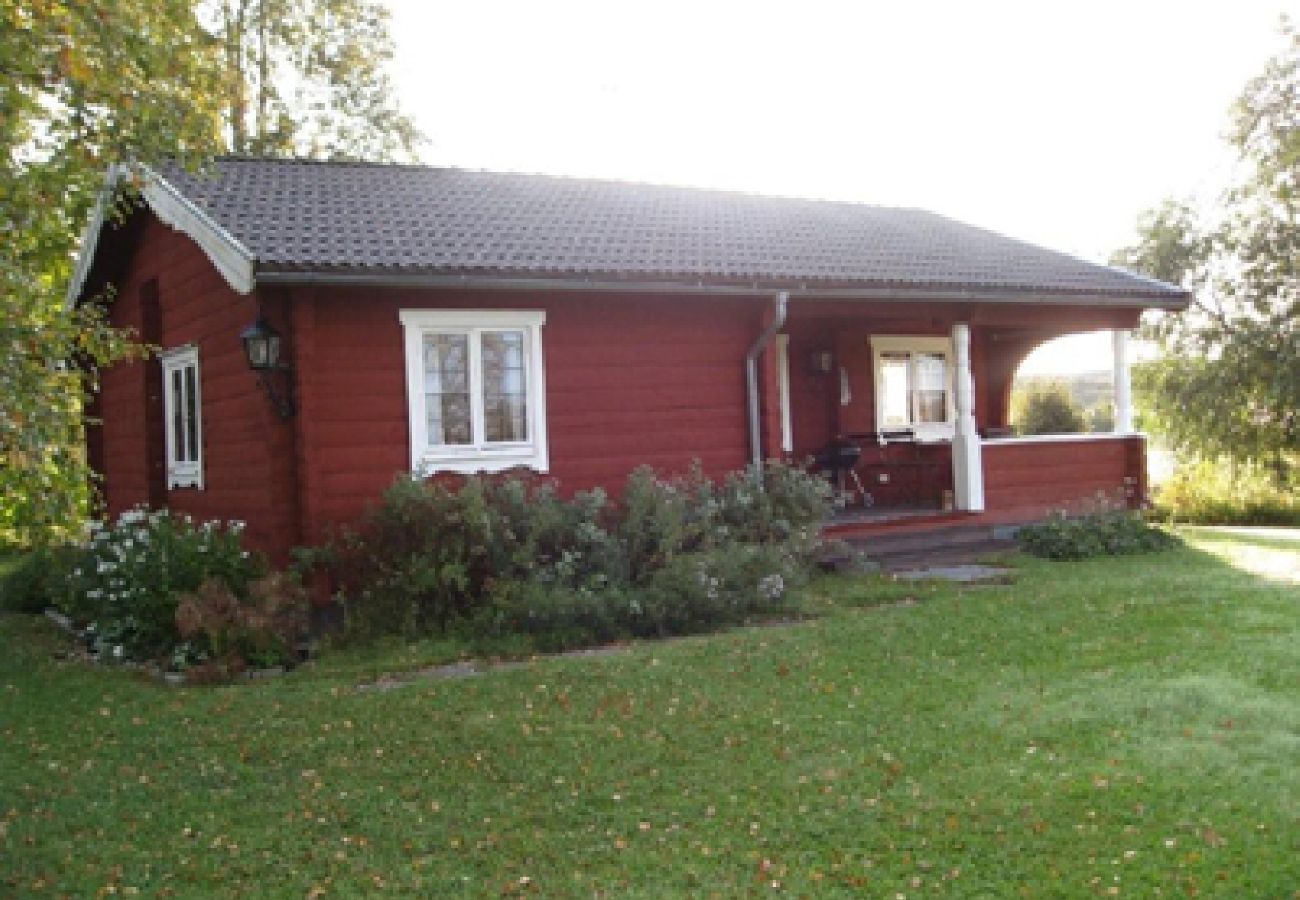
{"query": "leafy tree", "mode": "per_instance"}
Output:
(82, 86)
(1229, 381)
(306, 78)
(86, 85)
(1045, 408)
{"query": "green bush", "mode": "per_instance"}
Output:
(1109, 533)
(693, 592)
(126, 582)
(34, 580)
(431, 554)
(508, 554)
(1045, 408)
(1219, 492)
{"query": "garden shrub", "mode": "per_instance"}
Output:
(509, 555)
(693, 592)
(221, 630)
(1105, 533)
(1220, 492)
(429, 554)
(126, 582)
(34, 581)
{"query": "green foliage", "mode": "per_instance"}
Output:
(33, 581)
(1224, 492)
(87, 86)
(1045, 408)
(692, 592)
(308, 78)
(507, 553)
(1229, 381)
(82, 87)
(126, 584)
(1100, 419)
(1107, 533)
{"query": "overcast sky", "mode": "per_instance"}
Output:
(1056, 123)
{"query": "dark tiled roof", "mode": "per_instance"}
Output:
(361, 219)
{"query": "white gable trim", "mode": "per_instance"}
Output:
(231, 258)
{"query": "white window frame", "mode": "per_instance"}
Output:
(479, 455)
(182, 473)
(913, 344)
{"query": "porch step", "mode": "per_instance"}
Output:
(940, 544)
(942, 556)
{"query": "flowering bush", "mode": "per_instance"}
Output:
(125, 585)
(509, 554)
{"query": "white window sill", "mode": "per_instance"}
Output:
(473, 464)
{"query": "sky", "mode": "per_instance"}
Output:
(1051, 122)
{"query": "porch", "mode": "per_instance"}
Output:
(905, 406)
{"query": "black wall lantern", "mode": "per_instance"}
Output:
(821, 362)
(262, 350)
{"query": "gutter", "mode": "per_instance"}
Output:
(751, 377)
(899, 294)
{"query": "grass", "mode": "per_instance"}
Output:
(1122, 727)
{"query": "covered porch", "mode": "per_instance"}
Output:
(905, 405)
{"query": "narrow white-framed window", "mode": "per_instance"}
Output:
(183, 417)
(783, 391)
(475, 393)
(913, 385)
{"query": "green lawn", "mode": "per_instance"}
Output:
(1126, 727)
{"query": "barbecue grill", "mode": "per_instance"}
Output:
(840, 457)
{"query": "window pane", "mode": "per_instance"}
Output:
(178, 417)
(446, 388)
(931, 387)
(892, 393)
(505, 388)
(191, 415)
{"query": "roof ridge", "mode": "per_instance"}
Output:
(568, 179)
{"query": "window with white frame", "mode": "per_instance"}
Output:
(182, 415)
(914, 385)
(474, 389)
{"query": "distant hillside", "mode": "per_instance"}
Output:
(1088, 390)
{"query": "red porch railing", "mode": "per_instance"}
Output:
(1038, 475)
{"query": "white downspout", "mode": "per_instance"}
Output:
(751, 377)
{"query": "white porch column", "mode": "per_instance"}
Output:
(1123, 384)
(967, 458)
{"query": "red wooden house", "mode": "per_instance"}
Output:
(447, 320)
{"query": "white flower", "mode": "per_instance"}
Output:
(772, 586)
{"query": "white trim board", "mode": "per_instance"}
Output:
(230, 257)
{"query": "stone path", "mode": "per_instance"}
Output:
(968, 573)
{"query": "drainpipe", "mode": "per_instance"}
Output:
(751, 376)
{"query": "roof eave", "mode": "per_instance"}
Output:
(230, 257)
(797, 290)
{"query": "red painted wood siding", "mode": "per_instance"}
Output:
(629, 381)
(242, 437)
(1072, 474)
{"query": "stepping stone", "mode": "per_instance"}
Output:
(963, 574)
